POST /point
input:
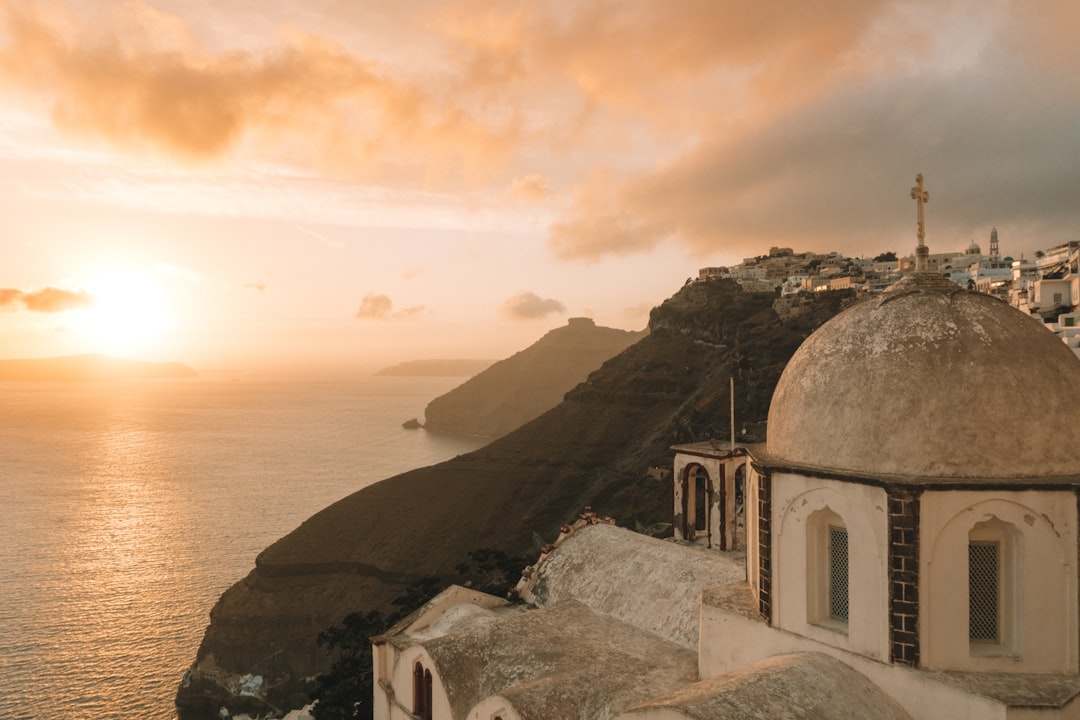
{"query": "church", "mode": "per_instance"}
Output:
(905, 544)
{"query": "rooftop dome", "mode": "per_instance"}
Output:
(929, 381)
(974, 249)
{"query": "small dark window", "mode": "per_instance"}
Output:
(838, 573)
(984, 572)
(426, 715)
(418, 690)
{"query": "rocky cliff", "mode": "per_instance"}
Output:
(595, 448)
(515, 390)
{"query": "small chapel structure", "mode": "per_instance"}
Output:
(905, 544)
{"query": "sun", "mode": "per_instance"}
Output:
(131, 315)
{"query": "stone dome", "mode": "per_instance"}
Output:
(929, 381)
(974, 249)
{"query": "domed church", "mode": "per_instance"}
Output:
(914, 512)
(906, 544)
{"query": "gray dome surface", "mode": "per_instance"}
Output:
(929, 381)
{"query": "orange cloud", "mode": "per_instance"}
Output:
(533, 187)
(376, 306)
(129, 89)
(46, 300)
(530, 306)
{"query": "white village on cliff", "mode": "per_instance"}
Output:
(905, 544)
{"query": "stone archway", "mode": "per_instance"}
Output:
(697, 503)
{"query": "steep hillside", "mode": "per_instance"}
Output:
(515, 390)
(594, 448)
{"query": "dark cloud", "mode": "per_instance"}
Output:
(836, 175)
(46, 300)
(530, 306)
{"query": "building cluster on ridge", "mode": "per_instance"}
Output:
(1047, 287)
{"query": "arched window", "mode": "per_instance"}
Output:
(426, 715)
(418, 697)
(701, 500)
(696, 501)
(827, 569)
(995, 561)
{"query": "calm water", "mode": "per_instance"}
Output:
(127, 508)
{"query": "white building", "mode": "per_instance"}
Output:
(905, 545)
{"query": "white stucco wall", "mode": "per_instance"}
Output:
(1041, 619)
(863, 509)
(397, 703)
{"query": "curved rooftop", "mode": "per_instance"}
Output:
(929, 381)
(583, 565)
(783, 687)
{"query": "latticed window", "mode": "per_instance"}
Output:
(984, 570)
(838, 573)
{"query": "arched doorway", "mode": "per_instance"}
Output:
(739, 534)
(697, 503)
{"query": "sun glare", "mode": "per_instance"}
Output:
(131, 314)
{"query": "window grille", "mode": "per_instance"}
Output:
(983, 574)
(838, 573)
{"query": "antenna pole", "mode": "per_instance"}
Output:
(732, 413)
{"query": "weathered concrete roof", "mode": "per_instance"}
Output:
(929, 381)
(451, 610)
(1017, 690)
(652, 584)
(806, 686)
(564, 661)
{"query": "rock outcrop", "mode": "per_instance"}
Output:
(595, 448)
(513, 391)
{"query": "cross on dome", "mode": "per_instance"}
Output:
(920, 197)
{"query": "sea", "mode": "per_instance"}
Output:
(127, 508)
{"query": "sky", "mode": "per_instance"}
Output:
(341, 183)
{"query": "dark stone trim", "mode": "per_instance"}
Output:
(765, 547)
(904, 574)
(764, 464)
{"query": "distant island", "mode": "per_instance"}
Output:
(89, 367)
(527, 384)
(437, 368)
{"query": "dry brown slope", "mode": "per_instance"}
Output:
(593, 449)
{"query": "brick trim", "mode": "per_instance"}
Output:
(904, 575)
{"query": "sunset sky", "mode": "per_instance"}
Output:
(245, 183)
